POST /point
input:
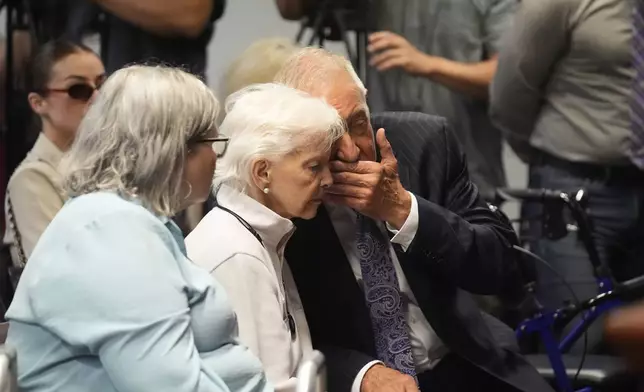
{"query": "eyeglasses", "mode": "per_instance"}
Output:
(219, 144)
(79, 91)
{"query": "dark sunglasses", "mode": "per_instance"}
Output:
(219, 144)
(79, 91)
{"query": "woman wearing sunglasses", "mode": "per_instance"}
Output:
(65, 76)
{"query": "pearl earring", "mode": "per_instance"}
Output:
(266, 190)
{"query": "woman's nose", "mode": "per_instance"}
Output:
(327, 178)
(346, 149)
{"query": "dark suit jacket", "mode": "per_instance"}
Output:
(460, 245)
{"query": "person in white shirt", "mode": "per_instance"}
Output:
(276, 168)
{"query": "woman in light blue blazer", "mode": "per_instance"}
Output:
(108, 300)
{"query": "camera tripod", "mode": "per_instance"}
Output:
(332, 20)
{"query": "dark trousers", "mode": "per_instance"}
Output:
(454, 374)
(616, 202)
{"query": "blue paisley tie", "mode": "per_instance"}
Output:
(383, 298)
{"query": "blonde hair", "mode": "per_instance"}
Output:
(133, 139)
(258, 63)
(272, 121)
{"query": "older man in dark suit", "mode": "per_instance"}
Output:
(384, 269)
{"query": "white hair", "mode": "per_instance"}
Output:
(258, 63)
(310, 68)
(270, 121)
(134, 138)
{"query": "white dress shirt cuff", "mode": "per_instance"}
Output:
(355, 387)
(407, 232)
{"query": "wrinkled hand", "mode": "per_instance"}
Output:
(391, 51)
(371, 188)
(383, 379)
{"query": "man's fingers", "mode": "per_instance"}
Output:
(360, 167)
(347, 190)
(386, 153)
(351, 178)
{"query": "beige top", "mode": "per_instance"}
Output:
(36, 194)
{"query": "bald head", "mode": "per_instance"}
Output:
(331, 77)
(312, 69)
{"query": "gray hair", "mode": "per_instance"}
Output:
(259, 63)
(270, 121)
(134, 138)
(310, 67)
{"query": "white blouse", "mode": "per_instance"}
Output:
(259, 284)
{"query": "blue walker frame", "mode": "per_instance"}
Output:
(544, 321)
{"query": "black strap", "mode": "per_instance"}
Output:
(17, 238)
(289, 317)
(241, 220)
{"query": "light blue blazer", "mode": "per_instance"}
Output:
(109, 302)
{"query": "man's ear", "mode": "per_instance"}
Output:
(260, 173)
(37, 103)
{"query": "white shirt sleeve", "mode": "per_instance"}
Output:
(255, 297)
(407, 232)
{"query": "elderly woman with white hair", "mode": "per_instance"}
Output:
(109, 301)
(276, 168)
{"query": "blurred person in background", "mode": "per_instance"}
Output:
(22, 53)
(64, 78)
(561, 96)
(276, 168)
(175, 33)
(438, 57)
(19, 106)
(259, 63)
(109, 301)
(21, 113)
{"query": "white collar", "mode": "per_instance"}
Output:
(271, 227)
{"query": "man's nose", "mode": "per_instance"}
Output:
(347, 150)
